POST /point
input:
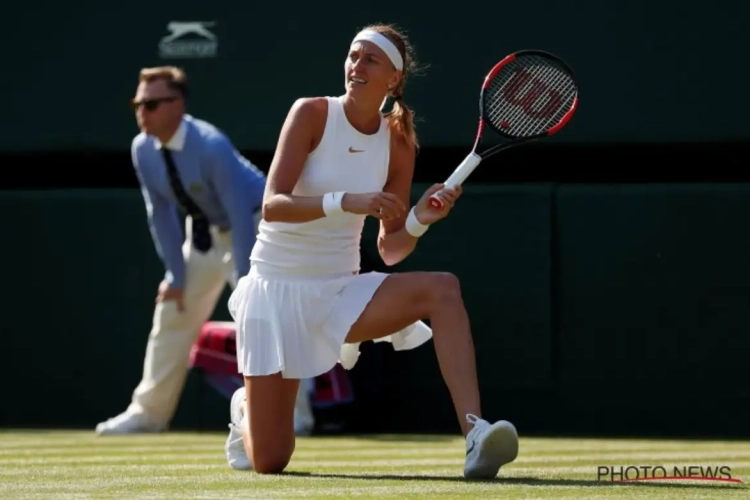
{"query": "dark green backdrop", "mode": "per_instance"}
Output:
(594, 308)
(648, 71)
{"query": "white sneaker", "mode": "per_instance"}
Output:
(234, 447)
(303, 423)
(127, 423)
(489, 447)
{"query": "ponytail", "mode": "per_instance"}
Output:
(401, 119)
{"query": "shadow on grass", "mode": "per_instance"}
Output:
(395, 438)
(512, 481)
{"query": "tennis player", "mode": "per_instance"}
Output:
(303, 306)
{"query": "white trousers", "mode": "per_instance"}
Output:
(173, 333)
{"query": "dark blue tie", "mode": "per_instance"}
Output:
(201, 233)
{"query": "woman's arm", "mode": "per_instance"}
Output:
(302, 131)
(394, 242)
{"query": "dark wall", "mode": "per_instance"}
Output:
(654, 303)
(594, 308)
(599, 303)
(82, 277)
(648, 71)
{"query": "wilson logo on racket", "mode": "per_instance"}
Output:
(528, 95)
(525, 91)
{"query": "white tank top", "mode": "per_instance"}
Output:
(345, 160)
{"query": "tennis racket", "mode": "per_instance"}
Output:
(529, 95)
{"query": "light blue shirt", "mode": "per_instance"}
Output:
(225, 185)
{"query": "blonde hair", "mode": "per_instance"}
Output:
(175, 77)
(401, 117)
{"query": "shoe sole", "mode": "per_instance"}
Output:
(498, 448)
(102, 429)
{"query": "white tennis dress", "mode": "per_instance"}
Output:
(303, 293)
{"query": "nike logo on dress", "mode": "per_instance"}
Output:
(352, 150)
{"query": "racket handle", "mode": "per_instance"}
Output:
(457, 177)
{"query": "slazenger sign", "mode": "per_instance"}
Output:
(180, 44)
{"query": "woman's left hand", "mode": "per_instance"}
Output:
(428, 215)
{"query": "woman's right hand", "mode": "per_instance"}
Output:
(386, 206)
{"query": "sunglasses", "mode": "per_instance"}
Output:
(150, 104)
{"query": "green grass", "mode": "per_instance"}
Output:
(72, 465)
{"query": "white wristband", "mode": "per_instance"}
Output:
(413, 226)
(332, 203)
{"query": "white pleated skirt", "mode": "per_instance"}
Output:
(297, 325)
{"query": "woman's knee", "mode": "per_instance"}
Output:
(270, 460)
(443, 289)
(271, 451)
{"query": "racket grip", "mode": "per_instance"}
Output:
(462, 172)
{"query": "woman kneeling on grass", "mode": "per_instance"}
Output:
(304, 306)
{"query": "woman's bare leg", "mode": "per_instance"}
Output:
(405, 298)
(269, 438)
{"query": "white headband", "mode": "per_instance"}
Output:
(385, 45)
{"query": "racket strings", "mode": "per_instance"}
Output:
(554, 80)
(529, 96)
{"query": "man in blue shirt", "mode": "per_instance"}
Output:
(185, 164)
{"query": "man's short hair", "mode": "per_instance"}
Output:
(175, 77)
